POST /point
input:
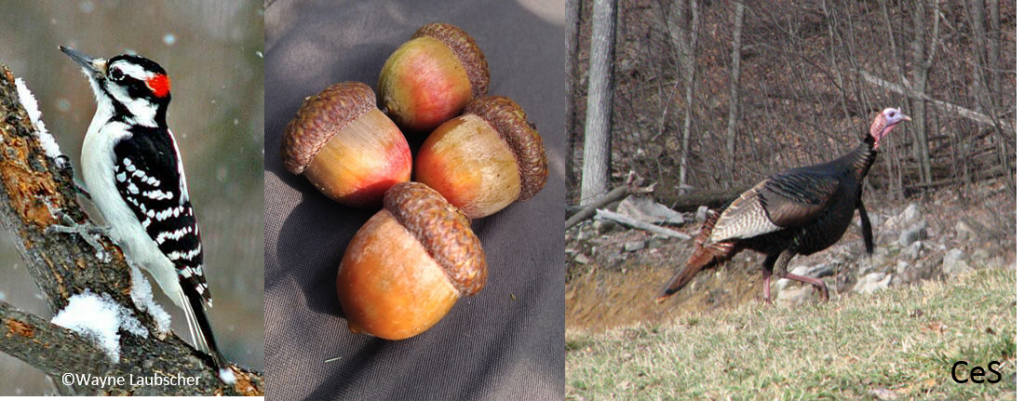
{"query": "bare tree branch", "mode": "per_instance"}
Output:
(942, 105)
(632, 186)
(33, 188)
(619, 218)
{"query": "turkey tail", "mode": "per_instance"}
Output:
(702, 258)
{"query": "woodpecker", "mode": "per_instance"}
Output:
(135, 177)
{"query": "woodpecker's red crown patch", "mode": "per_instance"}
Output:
(160, 85)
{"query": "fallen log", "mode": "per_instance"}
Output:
(619, 218)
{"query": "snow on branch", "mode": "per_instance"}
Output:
(28, 101)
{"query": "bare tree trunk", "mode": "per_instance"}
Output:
(685, 47)
(993, 54)
(597, 144)
(979, 84)
(572, 23)
(922, 64)
(982, 97)
(734, 92)
(995, 85)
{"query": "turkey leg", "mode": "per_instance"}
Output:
(782, 263)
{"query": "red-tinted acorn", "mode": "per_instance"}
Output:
(485, 159)
(432, 77)
(346, 147)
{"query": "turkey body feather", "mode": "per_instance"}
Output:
(800, 211)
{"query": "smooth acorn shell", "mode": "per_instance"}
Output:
(346, 147)
(485, 159)
(407, 266)
(430, 78)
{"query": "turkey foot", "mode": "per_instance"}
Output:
(818, 284)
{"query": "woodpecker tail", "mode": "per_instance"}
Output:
(199, 327)
(702, 258)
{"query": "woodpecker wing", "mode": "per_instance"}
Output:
(149, 178)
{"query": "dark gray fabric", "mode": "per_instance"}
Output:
(506, 342)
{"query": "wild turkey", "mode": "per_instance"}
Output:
(800, 211)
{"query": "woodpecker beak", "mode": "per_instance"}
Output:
(95, 68)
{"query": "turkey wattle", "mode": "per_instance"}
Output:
(800, 211)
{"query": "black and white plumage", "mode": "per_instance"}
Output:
(134, 174)
(800, 211)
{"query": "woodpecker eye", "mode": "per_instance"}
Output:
(116, 74)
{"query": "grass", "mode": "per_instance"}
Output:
(895, 344)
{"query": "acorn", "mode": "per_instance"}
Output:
(408, 264)
(346, 147)
(431, 77)
(485, 159)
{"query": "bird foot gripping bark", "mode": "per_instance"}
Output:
(89, 232)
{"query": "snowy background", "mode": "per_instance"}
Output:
(213, 54)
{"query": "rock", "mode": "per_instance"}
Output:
(581, 259)
(997, 262)
(916, 232)
(964, 232)
(605, 227)
(702, 214)
(954, 263)
(909, 215)
(796, 296)
(632, 246)
(901, 267)
(980, 257)
(587, 231)
(817, 272)
(872, 282)
(912, 252)
(658, 242)
(876, 220)
(647, 210)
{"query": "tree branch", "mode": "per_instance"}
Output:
(33, 187)
(632, 186)
(608, 215)
(943, 105)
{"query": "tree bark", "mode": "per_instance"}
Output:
(734, 92)
(572, 23)
(597, 144)
(32, 188)
(922, 64)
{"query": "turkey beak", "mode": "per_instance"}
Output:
(93, 68)
(906, 118)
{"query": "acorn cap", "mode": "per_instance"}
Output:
(465, 48)
(443, 231)
(508, 118)
(320, 117)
